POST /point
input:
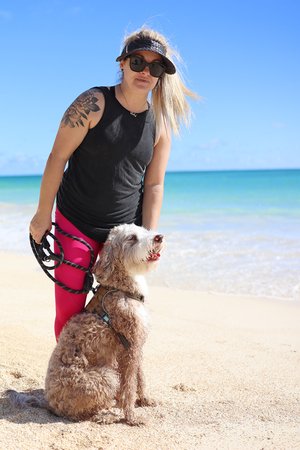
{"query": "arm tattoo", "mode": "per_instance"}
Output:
(80, 109)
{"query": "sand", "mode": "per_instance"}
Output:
(225, 370)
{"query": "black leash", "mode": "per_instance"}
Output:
(44, 255)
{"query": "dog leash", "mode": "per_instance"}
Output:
(44, 255)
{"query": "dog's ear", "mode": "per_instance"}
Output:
(105, 264)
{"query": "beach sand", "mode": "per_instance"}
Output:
(225, 370)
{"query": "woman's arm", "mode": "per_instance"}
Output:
(82, 115)
(154, 181)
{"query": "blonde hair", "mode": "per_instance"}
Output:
(168, 99)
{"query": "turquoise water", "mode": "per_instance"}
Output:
(238, 192)
(20, 190)
(232, 231)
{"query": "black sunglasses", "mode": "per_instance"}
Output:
(138, 64)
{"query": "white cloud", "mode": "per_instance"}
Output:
(213, 144)
(21, 164)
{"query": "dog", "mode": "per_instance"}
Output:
(96, 365)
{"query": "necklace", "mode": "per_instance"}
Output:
(134, 114)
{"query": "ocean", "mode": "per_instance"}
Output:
(235, 232)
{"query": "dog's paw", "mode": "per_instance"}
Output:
(106, 418)
(135, 420)
(145, 401)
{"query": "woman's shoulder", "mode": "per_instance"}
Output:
(90, 99)
(100, 91)
(94, 94)
(90, 105)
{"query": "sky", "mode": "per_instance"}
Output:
(240, 56)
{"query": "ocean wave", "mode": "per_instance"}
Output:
(230, 262)
(260, 258)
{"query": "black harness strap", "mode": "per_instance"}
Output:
(96, 306)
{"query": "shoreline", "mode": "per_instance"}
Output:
(224, 369)
(29, 259)
(226, 233)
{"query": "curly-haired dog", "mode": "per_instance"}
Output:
(97, 362)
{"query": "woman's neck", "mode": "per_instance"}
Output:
(133, 103)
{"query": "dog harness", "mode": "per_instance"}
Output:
(96, 306)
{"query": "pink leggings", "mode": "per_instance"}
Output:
(68, 304)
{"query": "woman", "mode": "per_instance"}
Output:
(117, 147)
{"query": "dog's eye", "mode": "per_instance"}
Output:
(133, 238)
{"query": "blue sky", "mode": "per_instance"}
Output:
(242, 57)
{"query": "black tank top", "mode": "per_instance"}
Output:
(103, 184)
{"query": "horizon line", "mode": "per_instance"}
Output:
(181, 171)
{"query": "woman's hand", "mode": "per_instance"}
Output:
(39, 225)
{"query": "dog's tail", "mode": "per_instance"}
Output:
(30, 398)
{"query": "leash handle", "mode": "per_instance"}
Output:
(44, 254)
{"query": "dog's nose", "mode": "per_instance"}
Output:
(158, 238)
